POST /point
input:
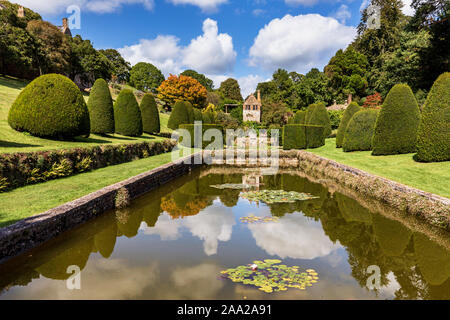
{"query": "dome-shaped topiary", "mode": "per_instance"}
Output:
(150, 114)
(299, 117)
(318, 115)
(190, 110)
(197, 115)
(50, 106)
(348, 114)
(398, 122)
(206, 118)
(127, 116)
(178, 116)
(433, 138)
(101, 110)
(359, 132)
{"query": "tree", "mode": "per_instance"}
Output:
(313, 88)
(182, 88)
(120, 68)
(150, 114)
(275, 114)
(373, 101)
(146, 77)
(101, 110)
(204, 81)
(127, 115)
(231, 89)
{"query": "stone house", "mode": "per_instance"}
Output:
(252, 108)
(344, 106)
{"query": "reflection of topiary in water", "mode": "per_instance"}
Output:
(392, 235)
(122, 199)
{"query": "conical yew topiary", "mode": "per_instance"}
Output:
(150, 114)
(348, 114)
(299, 117)
(433, 139)
(397, 124)
(197, 115)
(127, 116)
(359, 132)
(178, 116)
(50, 106)
(318, 115)
(101, 110)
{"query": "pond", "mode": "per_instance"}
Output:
(189, 240)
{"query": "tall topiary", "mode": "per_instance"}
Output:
(397, 124)
(299, 117)
(348, 114)
(197, 115)
(309, 111)
(127, 116)
(190, 110)
(150, 114)
(359, 132)
(319, 116)
(50, 106)
(178, 116)
(433, 139)
(101, 110)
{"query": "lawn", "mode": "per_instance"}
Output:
(430, 177)
(34, 199)
(13, 141)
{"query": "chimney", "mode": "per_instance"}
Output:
(349, 100)
(259, 96)
(65, 24)
(20, 12)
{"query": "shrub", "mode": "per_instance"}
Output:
(128, 119)
(197, 115)
(397, 124)
(191, 129)
(206, 118)
(150, 114)
(359, 132)
(178, 116)
(50, 106)
(191, 113)
(309, 111)
(335, 118)
(299, 117)
(348, 114)
(300, 136)
(101, 110)
(318, 116)
(433, 142)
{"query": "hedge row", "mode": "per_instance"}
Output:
(359, 132)
(300, 136)
(20, 169)
(192, 132)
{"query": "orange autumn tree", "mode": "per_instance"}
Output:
(182, 88)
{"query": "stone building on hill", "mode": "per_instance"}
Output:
(252, 108)
(344, 106)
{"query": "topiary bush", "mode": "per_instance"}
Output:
(206, 118)
(150, 114)
(348, 114)
(51, 106)
(191, 129)
(300, 136)
(309, 111)
(128, 119)
(433, 139)
(397, 124)
(314, 136)
(191, 113)
(299, 117)
(359, 132)
(178, 116)
(101, 110)
(318, 115)
(197, 115)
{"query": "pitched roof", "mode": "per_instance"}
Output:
(252, 100)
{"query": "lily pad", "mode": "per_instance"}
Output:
(235, 186)
(254, 219)
(270, 276)
(277, 196)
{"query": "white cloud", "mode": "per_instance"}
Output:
(343, 14)
(205, 5)
(211, 53)
(300, 2)
(299, 42)
(248, 84)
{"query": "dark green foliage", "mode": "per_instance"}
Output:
(335, 118)
(120, 67)
(359, 133)
(150, 114)
(317, 114)
(190, 110)
(50, 106)
(300, 136)
(145, 76)
(299, 117)
(101, 110)
(191, 129)
(230, 89)
(178, 116)
(127, 116)
(204, 81)
(206, 118)
(433, 139)
(348, 114)
(397, 124)
(197, 115)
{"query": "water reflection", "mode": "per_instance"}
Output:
(175, 240)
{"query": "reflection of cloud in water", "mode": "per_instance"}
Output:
(294, 236)
(211, 225)
(388, 291)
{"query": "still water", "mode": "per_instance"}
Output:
(174, 242)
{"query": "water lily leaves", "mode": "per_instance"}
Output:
(254, 219)
(235, 186)
(270, 276)
(276, 196)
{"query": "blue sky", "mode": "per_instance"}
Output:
(244, 39)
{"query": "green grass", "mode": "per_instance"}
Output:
(34, 199)
(430, 177)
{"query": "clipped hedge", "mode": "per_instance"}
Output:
(179, 115)
(50, 106)
(300, 136)
(299, 117)
(191, 129)
(206, 118)
(359, 132)
(397, 124)
(150, 114)
(127, 115)
(101, 110)
(20, 169)
(433, 139)
(348, 114)
(197, 115)
(318, 115)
